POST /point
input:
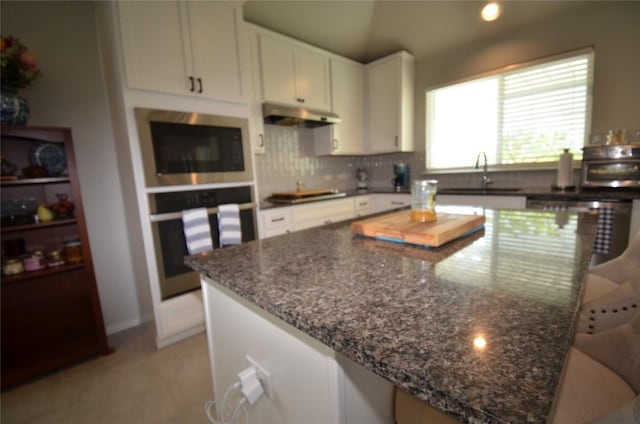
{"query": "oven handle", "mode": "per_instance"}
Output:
(158, 217)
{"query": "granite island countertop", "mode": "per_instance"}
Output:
(411, 315)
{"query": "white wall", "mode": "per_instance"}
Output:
(611, 27)
(71, 93)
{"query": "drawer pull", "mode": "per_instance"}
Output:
(397, 203)
(277, 219)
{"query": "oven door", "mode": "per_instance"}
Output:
(611, 173)
(174, 276)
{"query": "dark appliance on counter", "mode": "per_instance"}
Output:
(192, 148)
(612, 236)
(401, 180)
(168, 234)
(614, 166)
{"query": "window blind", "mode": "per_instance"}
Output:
(519, 118)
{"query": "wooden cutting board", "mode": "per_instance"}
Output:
(302, 193)
(399, 227)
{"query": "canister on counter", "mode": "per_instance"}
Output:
(423, 200)
(72, 251)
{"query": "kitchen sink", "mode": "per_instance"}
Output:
(478, 190)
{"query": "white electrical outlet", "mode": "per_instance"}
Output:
(264, 376)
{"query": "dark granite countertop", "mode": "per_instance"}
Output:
(411, 315)
(529, 192)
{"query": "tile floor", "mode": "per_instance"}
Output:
(136, 384)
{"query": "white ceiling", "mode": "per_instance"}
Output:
(365, 30)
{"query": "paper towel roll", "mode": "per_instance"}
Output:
(565, 170)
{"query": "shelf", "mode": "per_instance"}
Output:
(31, 181)
(29, 227)
(28, 275)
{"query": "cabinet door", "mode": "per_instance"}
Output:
(154, 46)
(347, 98)
(384, 98)
(294, 75)
(214, 36)
(391, 104)
(255, 103)
(312, 79)
(278, 78)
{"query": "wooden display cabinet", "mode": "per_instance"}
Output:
(51, 317)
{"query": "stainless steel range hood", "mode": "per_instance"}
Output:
(279, 114)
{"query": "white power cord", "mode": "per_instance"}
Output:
(251, 390)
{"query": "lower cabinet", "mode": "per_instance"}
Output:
(48, 322)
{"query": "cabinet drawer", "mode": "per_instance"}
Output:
(321, 213)
(385, 202)
(362, 205)
(276, 221)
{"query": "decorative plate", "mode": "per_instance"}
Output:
(50, 156)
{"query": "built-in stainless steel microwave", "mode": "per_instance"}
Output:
(193, 148)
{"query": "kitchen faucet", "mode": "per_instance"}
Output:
(485, 178)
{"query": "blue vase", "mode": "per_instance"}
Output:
(14, 109)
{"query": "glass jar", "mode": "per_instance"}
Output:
(12, 267)
(54, 259)
(423, 200)
(72, 251)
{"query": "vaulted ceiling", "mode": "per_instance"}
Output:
(365, 30)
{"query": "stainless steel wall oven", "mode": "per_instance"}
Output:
(168, 236)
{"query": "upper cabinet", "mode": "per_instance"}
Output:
(185, 48)
(390, 83)
(348, 101)
(292, 74)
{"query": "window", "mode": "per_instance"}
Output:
(521, 118)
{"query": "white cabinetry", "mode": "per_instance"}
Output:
(276, 221)
(386, 202)
(348, 101)
(292, 74)
(390, 82)
(255, 103)
(506, 202)
(185, 48)
(322, 213)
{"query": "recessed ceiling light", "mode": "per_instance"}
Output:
(491, 11)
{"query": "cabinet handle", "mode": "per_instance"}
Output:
(396, 141)
(261, 140)
(193, 86)
(397, 203)
(199, 85)
(363, 204)
(300, 99)
(277, 219)
(336, 144)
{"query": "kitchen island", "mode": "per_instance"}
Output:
(478, 329)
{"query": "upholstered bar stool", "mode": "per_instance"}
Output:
(607, 276)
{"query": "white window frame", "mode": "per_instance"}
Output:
(589, 51)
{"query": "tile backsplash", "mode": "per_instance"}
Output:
(290, 158)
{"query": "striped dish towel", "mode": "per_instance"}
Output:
(229, 224)
(602, 244)
(197, 232)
